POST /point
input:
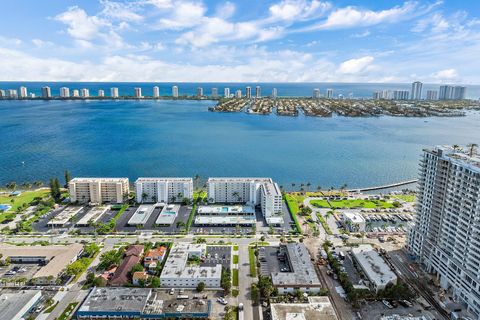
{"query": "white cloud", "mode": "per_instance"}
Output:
(350, 16)
(41, 43)
(10, 41)
(436, 22)
(354, 66)
(184, 15)
(124, 11)
(290, 10)
(363, 34)
(445, 75)
(80, 24)
(161, 4)
(225, 10)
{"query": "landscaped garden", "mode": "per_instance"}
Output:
(353, 203)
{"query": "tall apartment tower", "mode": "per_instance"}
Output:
(238, 93)
(445, 239)
(156, 92)
(416, 90)
(175, 91)
(329, 93)
(46, 93)
(459, 93)
(274, 93)
(138, 93)
(258, 92)
(114, 92)
(445, 93)
(199, 92)
(316, 93)
(64, 92)
(75, 93)
(101, 93)
(85, 93)
(248, 93)
(214, 92)
(432, 94)
(226, 92)
(22, 93)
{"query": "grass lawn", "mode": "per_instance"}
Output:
(190, 218)
(68, 311)
(292, 203)
(251, 258)
(235, 293)
(354, 203)
(235, 277)
(235, 247)
(235, 259)
(405, 197)
(25, 197)
(324, 224)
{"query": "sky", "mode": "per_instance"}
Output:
(241, 41)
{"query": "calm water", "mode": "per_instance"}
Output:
(41, 139)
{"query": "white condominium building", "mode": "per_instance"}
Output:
(46, 92)
(177, 273)
(416, 90)
(167, 190)
(23, 92)
(175, 91)
(238, 94)
(261, 192)
(446, 237)
(114, 92)
(329, 93)
(101, 93)
(64, 92)
(156, 92)
(85, 93)
(226, 92)
(98, 190)
(138, 93)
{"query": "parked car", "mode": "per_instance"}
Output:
(387, 304)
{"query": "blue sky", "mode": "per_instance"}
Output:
(249, 40)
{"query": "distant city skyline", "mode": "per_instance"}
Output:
(236, 41)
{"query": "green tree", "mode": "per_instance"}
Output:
(200, 286)
(155, 283)
(68, 177)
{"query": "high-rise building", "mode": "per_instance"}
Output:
(101, 93)
(226, 92)
(377, 95)
(214, 92)
(64, 92)
(2, 93)
(114, 92)
(459, 93)
(400, 95)
(22, 92)
(175, 91)
(248, 93)
(329, 93)
(75, 93)
(12, 93)
(446, 92)
(445, 239)
(46, 93)
(156, 92)
(138, 93)
(98, 190)
(32, 95)
(163, 189)
(199, 92)
(258, 92)
(274, 93)
(386, 94)
(316, 93)
(416, 90)
(238, 93)
(85, 93)
(432, 94)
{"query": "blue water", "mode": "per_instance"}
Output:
(359, 90)
(40, 139)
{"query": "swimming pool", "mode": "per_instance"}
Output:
(224, 209)
(4, 207)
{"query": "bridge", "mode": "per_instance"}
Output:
(387, 186)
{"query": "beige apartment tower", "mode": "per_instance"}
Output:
(98, 190)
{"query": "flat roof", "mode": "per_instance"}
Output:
(92, 215)
(239, 179)
(274, 220)
(354, 217)
(216, 209)
(164, 179)
(65, 215)
(373, 265)
(176, 264)
(12, 303)
(142, 214)
(271, 188)
(168, 214)
(317, 308)
(84, 180)
(302, 271)
(214, 220)
(59, 256)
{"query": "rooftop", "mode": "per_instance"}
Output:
(142, 214)
(168, 214)
(64, 216)
(373, 265)
(317, 308)
(57, 256)
(92, 215)
(241, 179)
(86, 180)
(223, 210)
(12, 303)
(302, 272)
(460, 155)
(165, 179)
(354, 217)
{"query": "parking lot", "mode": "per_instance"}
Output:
(218, 254)
(270, 261)
(375, 309)
(20, 270)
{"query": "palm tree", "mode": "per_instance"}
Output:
(180, 224)
(26, 185)
(196, 179)
(38, 183)
(456, 147)
(12, 185)
(144, 197)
